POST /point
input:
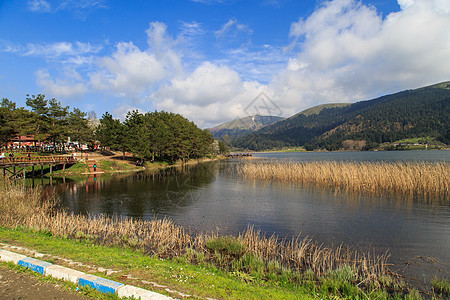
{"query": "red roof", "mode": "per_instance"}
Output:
(23, 138)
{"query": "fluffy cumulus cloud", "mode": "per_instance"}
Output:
(347, 51)
(71, 84)
(208, 95)
(343, 52)
(130, 71)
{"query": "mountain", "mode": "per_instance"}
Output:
(317, 109)
(423, 112)
(243, 126)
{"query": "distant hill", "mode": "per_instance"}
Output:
(317, 109)
(241, 126)
(423, 112)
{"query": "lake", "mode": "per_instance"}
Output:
(207, 197)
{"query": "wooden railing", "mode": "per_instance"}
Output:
(37, 160)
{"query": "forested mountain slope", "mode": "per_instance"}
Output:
(413, 113)
(242, 126)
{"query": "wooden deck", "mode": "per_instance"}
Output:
(16, 166)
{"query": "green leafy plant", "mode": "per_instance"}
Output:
(441, 287)
(226, 246)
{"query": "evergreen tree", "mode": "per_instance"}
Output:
(38, 105)
(78, 127)
(23, 123)
(7, 128)
(165, 136)
(57, 122)
(111, 133)
(223, 147)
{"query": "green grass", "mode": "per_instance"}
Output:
(226, 245)
(107, 165)
(441, 287)
(283, 150)
(199, 280)
(418, 140)
(258, 281)
(247, 266)
(418, 143)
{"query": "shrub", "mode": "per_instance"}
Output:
(441, 287)
(226, 246)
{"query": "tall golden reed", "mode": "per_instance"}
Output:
(31, 209)
(412, 178)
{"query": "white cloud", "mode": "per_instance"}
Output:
(127, 72)
(57, 5)
(39, 5)
(191, 29)
(405, 3)
(121, 111)
(68, 83)
(233, 29)
(348, 52)
(207, 84)
(81, 4)
(59, 49)
(130, 71)
(70, 86)
(9, 47)
(442, 6)
(343, 52)
(208, 95)
(255, 63)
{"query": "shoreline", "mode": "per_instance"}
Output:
(249, 257)
(342, 150)
(122, 166)
(133, 242)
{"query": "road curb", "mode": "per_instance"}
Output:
(34, 264)
(81, 279)
(8, 256)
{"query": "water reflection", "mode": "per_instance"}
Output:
(36, 181)
(140, 195)
(387, 156)
(206, 197)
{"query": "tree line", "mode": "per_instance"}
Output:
(47, 121)
(409, 114)
(153, 135)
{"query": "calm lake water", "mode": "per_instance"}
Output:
(206, 197)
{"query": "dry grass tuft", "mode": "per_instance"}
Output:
(30, 209)
(429, 180)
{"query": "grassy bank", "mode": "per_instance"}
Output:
(428, 180)
(248, 265)
(108, 164)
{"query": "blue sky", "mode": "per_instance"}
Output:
(210, 59)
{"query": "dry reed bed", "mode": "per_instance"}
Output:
(415, 178)
(34, 210)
